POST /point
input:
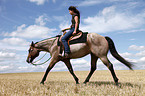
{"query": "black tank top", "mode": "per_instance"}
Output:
(73, 20)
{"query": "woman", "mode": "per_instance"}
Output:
(72, 30)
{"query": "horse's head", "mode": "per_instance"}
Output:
(33, 53)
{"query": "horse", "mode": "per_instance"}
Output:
(96, 45)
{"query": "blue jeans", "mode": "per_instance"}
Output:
(65, 40)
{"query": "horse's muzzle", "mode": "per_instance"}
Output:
(28, 60)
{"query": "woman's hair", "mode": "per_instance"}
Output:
(73, 8)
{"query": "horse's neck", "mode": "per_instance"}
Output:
(45, 45)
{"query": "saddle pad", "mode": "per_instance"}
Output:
(82, 39)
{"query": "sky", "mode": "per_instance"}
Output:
(24, 21)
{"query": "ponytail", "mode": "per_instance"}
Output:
(73, 8)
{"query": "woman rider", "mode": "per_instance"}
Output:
(72, 30)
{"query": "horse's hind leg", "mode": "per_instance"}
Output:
(110, 67)
(93, 67)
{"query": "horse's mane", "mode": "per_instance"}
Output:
(45, 39)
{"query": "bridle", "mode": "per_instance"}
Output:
(34, 63)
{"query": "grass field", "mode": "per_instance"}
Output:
(131, 83)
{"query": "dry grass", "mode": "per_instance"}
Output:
(132, 83)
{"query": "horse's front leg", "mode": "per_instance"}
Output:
(68, 64)
(51, 65)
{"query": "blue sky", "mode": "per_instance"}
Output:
(23, 21)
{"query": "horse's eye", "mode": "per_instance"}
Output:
(31, 50)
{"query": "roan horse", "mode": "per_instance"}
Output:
(97, 46)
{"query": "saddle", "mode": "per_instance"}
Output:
(80, 37)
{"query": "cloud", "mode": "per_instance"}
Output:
(95, 2)
(41, 20)
(6, 55)
(41, 2)
(37, 30)
(32, 31)
(110, 20)
(64, 24)
(2, 68)
(134, 30)
(15, 44)
(141, 50)
(64, 21)
(89, 2)
(132, 39)
(14, 41)
(126, 54)
(136, 48)
(138, 58)
(141, 53)
(142, 59)
(80, 64)
(38, 2)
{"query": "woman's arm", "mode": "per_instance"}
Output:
(76, 24)
(65, 29)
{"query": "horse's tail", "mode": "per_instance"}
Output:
(116, 55)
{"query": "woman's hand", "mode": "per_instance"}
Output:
(63, 30)
(74, 33)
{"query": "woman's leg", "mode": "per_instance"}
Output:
(65, 40)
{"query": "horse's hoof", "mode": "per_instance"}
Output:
(85, 82)
(42, 83)
(77, 83)
(116, 83)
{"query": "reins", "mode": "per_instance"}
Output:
(43, 57)
(41, 63)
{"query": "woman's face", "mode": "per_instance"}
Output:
(71, 12)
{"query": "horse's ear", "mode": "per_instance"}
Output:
(32, 44)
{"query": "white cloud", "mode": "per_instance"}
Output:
(3, 68)
(41, 20)
(126, 54)
(109, 20)
(95, 2)
(138, 58)
(32, 31)
(64, 21)
(38, 30)
(134, 30)
(89, 2)
(64, 24)
(7, 55)
(39, 2)
(136, 48)
(14, 41)
(141, 53)
(79, 61)
(132, 39)
(60, 18)
(142, 59)
(106, 11)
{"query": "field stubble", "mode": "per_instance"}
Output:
(131, 83)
